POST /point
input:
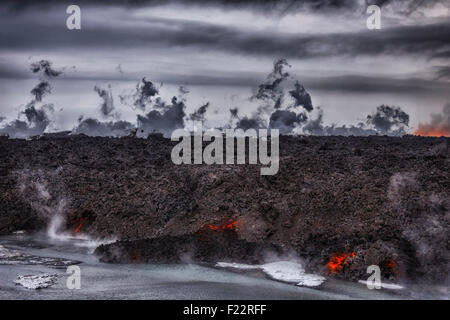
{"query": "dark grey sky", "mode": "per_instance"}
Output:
(221, 50)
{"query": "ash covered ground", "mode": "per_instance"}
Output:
(338, 203)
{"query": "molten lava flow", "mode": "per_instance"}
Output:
(135, 256)
(82, 221)
(392, 265)
(217, 228)
(338, 260)
(228, 226)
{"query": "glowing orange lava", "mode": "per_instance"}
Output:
(213, 228)
(391, 264)
(338, 260)
(82, 220)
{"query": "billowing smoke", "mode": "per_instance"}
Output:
(385, 121)
(199, 114)
(145, 91)
(389, 120)
(282, 115)
(93, 127)
(163, 118)
(35, 123)
(245, 123)
(287, 117)
(271, 89)
(41, 89)
(438, 126)
(316, 127)
(107, 106)
(286, 121)
(45, 67)
(96, 128)
(301, 97)
(165, 121)
(36, 118)
(287, 111)
(250, 123)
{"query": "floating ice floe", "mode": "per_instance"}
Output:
(285, 271)
(384, 285)
(38, 281)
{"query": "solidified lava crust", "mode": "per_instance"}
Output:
(385, 199)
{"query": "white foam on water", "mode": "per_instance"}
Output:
(286, 271)
(236, 265)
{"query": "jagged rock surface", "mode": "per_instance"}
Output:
(386, 199)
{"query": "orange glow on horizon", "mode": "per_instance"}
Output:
(432, 132)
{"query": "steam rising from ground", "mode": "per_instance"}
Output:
(427, 214)
(34, 185)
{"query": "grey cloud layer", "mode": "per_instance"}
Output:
(429, 39)
(405, 7)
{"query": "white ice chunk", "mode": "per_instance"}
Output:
(311, 280)
(39, 281)
(284, 271)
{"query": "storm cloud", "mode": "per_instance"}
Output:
(413, 40)
(403, 6)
